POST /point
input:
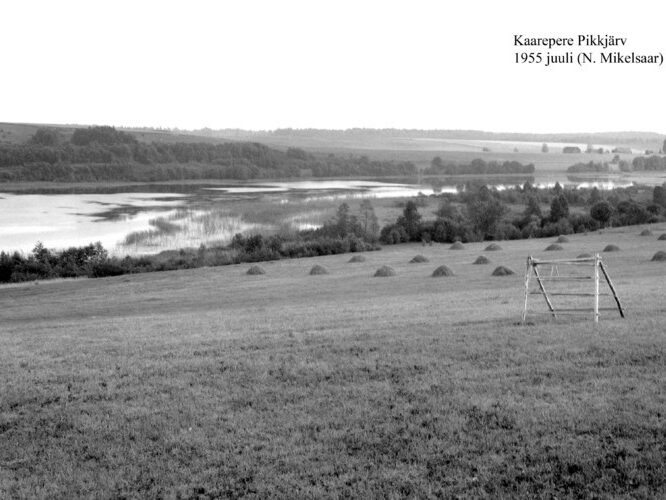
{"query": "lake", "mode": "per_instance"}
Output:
(148, 222)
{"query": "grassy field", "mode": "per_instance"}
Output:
(211, 383)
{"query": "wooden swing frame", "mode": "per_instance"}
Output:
(595, 262)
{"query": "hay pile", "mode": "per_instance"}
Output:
(493, 247)
(256, 270)
(562, 239)
(457, 246)
(384, 272)
(584, 256)
(442, 271)
(318, 270)
(357, 258)
(662, 237)
(418, 259)
(481, 260)
(612, 248)
(553, 247)
(646, 232)
(503, 271)
(660, 256)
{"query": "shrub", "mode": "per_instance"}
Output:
(393, 234)
(106, 268)
(507, 231)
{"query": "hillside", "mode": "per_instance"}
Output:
(212, 383)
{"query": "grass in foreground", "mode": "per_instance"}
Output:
(210, 383)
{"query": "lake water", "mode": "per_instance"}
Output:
(63, 220)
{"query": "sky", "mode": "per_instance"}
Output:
(266, 64)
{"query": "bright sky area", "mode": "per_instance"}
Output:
(265, 64)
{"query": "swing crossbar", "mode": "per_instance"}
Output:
(532, 270)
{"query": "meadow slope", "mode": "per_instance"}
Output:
(210, 383)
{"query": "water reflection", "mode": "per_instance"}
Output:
(192, 214)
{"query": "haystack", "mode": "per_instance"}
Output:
(493, 247)
(442, 271)
(481, 260)
(418, 259)
(584, 256)
(662, 237)
(646, 232)
(357, 258)
(318, 270)
(553, 247)
(612, 248)
(256, 270)
(457, 246)
(503, 271)
(562, 239)
(385, 271)
(660, 256)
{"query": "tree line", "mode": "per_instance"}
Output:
(106, 154)
(477, 167)
(485, 214)
(477, 214)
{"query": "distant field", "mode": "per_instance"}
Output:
(211, 383)
(553, 162)
(382, 146)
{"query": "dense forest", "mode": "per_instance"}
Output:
(107, 154)
(653, 162)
